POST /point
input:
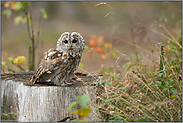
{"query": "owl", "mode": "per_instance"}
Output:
(60, 63)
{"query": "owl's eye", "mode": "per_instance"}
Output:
(66, 41)
(75, 40)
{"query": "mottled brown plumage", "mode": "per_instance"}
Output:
(59, 64)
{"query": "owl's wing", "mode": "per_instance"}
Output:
(51, 61)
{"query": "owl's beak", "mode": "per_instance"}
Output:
(70, 47)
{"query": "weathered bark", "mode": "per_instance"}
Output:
(46, 103)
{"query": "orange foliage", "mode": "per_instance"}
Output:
(92, 43)
(100, 46)
(89, 54)
(103, 57)
(99, 50)
(100, 40)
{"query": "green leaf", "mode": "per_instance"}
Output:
(173, 96)
(8, 115)
(3, 63)
(108, 83)
(164, 89)
(112, 77)
(171, 80)
(14, 116)
(152, 74)
(112, 94)
(123, 88)
(7, 13)
(83, 100)
(174, 91)
(44, 13)
(86, 48)
(25, 4)
(100, 82)
(3, 108)
(110, 99)
(134, 95)
(100, 106)
(81, 65)
(159, 82)
(69, 108)
(117, 77)
(10, 59)
(160, 74)
(145, 117)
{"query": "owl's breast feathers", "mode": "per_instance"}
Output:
(52, 61)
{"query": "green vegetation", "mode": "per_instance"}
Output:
(16, 62)
(147, 93)
(25, 16)
(5, 117)
(84, 111)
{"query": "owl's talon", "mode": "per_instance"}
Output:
(74, 77)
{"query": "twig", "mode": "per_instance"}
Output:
(28, 28)
(38, 33)
(103, 3)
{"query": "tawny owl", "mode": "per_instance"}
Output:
(59, 64)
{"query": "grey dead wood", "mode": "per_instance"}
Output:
(47, 103)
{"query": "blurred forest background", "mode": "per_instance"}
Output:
(130, 27)
(136, 46)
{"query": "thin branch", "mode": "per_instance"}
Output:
(32, 24)
(28, 25)
(38, 33)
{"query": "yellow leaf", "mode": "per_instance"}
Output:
(10, 59)
(167, 48)
(82, 120)
(16, 6)
(21, 59)
(15, 61)
(76, 112)
(85, 111)
(109, 45)
(7, 4)
(3, 64)
(18, 19)
(113, 54)
(93, 37)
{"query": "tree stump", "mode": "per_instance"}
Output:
(46, 103)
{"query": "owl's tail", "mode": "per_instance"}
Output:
(34, 78)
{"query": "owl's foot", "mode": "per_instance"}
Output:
(67, 84)
(76, 78)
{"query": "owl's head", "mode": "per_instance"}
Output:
(73, 43)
